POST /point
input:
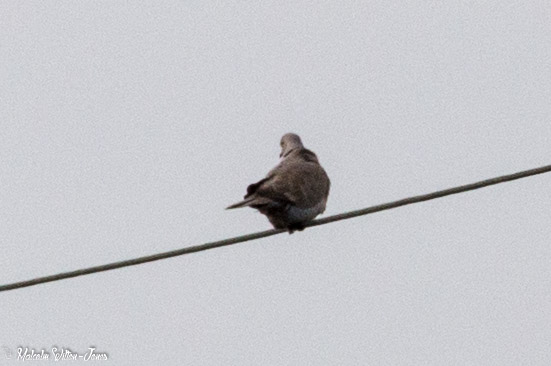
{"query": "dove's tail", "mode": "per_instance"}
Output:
(246, 202)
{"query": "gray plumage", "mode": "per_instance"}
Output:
(294, 192)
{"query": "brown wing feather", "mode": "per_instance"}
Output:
(300, 180)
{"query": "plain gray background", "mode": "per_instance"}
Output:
(127, 127)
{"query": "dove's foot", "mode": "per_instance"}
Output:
(293, 227)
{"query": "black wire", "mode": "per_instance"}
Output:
(263, 234)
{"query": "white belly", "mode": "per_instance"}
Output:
(295, 214)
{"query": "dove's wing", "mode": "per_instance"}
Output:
(299, 180)
(260, 194)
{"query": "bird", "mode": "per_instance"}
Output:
(294, 192)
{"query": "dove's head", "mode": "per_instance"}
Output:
(289, 142)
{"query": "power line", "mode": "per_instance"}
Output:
(263, 234)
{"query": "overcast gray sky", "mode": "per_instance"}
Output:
(126, 128)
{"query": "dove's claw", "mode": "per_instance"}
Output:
(294, 227)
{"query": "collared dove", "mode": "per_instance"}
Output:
(294, 192)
